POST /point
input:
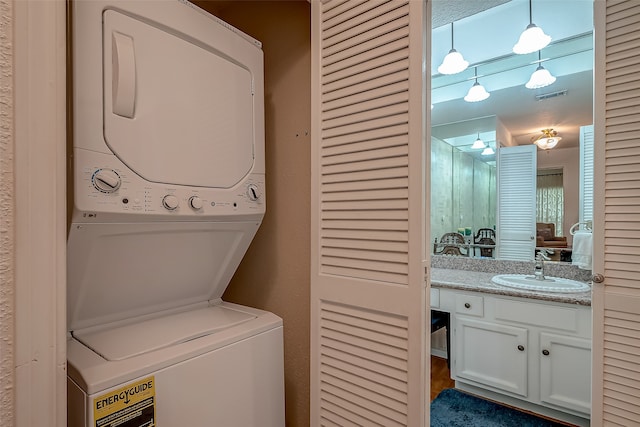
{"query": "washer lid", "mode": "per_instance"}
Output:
(176, 109)
(131, 340)
(122, 271)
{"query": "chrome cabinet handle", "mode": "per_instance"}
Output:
(597, 278)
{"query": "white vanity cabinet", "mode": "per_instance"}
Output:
(528, 353)
(491, 354)
(565, 371)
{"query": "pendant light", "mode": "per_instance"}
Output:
(541, 77)
(453, 63)
(532, 38)
(478, 144)
(477, 92)
(487, 151)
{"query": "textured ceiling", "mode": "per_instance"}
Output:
(447, 11)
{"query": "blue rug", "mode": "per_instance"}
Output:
(453, 408)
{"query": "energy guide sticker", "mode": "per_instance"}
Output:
(130, 406)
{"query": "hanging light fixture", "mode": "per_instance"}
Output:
(478, 144)
(541, 77)
(453, 62)
(487, 151)
(547, 140)
(477, 92)
(532, 38)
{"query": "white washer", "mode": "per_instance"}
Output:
(168, 194)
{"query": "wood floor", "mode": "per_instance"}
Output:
(440, 377)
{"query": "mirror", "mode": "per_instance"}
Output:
(513, 115)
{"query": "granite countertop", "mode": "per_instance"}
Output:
(480, 281)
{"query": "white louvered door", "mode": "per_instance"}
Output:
(368, 298)
(616, 301)
(586, 173)
(516, 202)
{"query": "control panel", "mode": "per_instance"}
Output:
(105, 185)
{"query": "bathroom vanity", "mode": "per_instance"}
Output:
(528, 349)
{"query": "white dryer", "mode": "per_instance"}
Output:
(168, 161)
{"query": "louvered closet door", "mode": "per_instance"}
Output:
(517, 202)
(368, 219)
(616, 301)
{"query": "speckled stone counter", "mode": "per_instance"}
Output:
(475, 275)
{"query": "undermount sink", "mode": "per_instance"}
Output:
(549, 284)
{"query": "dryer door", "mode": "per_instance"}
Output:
(176, 110)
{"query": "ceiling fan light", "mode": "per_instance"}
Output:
(548, 143)
(531, 40)
(453, 63)
(547, 140)
(476, 93)
(541, 77)
(487, 151)
(478, 144)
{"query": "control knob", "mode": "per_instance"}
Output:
(195, 202)
(106, 180)
(253, 192)
(170, 202)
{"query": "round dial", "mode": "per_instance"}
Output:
(195, 202)
(253, 192)
(106, 180)
(170, 202)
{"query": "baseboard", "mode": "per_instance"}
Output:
(439, 353)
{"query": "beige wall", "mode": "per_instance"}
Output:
(274, 274)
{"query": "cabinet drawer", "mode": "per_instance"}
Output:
(472, 305)
(550, 316)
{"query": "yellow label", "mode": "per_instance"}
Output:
(133, 404)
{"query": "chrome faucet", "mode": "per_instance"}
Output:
(538, 270)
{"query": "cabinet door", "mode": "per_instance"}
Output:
(565, 372)
(490, 354)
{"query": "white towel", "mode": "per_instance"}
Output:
(582, 251)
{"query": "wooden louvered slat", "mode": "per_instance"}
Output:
(394, 383)
(359, 19)
(366, 175)
(368, 35)
(393, 397)
(378, 133)
(362, 183)
(390, 109)
(376, 338)
(334, 415)
(389, 376)
(363, 145)
(355, 100)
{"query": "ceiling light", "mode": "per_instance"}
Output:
(532, 38)
(478, 144)
(487, 151)
(453, 63)
(547, 140)
(541, 77)
(477, 92)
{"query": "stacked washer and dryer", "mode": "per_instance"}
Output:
(169, 191)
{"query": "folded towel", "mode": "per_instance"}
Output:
(582, 250)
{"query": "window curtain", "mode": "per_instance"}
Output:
(550, 200)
